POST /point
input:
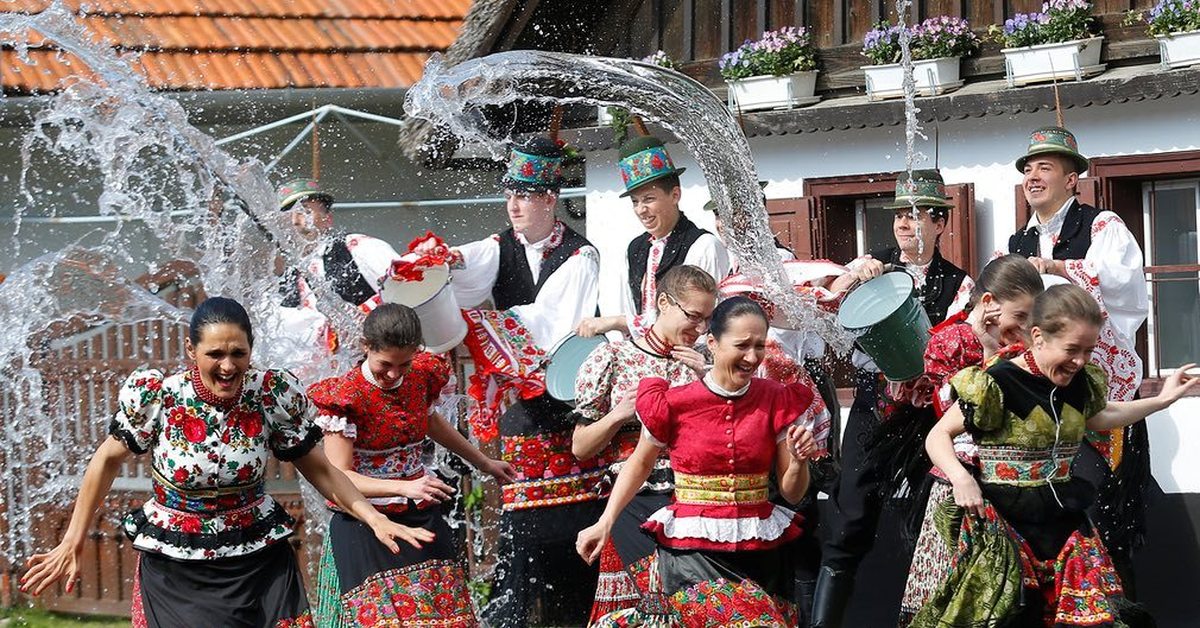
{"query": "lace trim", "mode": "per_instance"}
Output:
(724, 530)
(339, 424)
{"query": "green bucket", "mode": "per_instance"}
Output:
(889, 323)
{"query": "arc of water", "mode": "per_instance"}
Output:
(454, 97)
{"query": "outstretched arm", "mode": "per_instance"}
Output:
(591, 540)
(1118, 414)
(445, 435)
(63, 560)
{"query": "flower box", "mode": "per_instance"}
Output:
(1179, 50)
(932, 77)
(773, 92)
(1070, 60)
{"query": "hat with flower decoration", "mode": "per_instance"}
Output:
(535, 166)
(711, 206)
(1053, 140)
(299, 189)
(924, 188)
(645, 159)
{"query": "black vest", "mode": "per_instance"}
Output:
(942, 281)
(341, 272)
(682, 237)
(1074, 239)
(514, 283)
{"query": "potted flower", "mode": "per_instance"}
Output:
(1176, 26)
(1057, 43)
(936, 47)
(777, 70)
(618, 117)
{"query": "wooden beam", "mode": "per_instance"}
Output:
(801, 13)
(839, 22)
(726, 26)
(761, 15)
(689, 29)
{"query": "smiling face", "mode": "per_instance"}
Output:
(389, 365)
(916, 236)
(311, 217)
(222, 356)
(1060, 356)
(740, 349)
(1014, 319)
(682, 319)
(656, 208)
(1048, 183)
(531, 213)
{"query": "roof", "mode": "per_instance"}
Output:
(247, 44)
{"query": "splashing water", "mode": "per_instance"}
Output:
(455, 96)
(912, 127)
(199, 205)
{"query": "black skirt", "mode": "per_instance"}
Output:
(259, 590)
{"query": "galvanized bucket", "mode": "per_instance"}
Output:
(889, 323)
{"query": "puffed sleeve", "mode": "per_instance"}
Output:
(793, 409)
(980, 398)
(653, 410)
(1097, 381)
(593, 384)
(333, 407)
(436, 370)
(285, 410)
(139, 411)
(951, 349)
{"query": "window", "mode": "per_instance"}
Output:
(873, 224)
(1171, 211)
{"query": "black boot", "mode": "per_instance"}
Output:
(830, 598)
(804, 600)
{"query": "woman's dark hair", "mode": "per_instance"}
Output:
(215, 311)
(731, 308)
(1061, 305)
(392, 325)
(1007, 277)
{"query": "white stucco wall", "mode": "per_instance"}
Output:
(981, 151)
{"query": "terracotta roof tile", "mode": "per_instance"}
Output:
(246, 44)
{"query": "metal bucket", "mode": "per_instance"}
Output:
(566, 358)
(889, 323)
(442, 324)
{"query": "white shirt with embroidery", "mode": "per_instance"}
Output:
(1113, 274)
(568, 295)
(707, 252)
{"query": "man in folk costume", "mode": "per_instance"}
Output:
(1093, 249)
(671, 239)
(541, 277)
(352, 264)
(921, 210)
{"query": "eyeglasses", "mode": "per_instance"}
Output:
(692, 317)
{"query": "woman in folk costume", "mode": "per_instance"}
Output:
(211, 543)
(995, 322)
(1027, 555)
(1093, 249)
(722, 553)
(376, 419)
(608, 426)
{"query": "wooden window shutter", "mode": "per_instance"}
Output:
(1088, 191)
(958, 240)
(1023, 211)
(795, 222)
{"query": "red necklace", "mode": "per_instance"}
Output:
(1033, 367)
(658, 345)
(208, 396)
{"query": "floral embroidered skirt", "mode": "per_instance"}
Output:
(361, 583)
(1000, 576)
(259, 589)
(710, 589)
(936, 543)
(624, 556)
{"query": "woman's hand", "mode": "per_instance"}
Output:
(985, 325)
(46, 569)
(388, 532)
(1177, 385)
(427, 488)
(592, 539)
(499, 469)
(690, 358)
(801, 443)
(626, 410)
(968, 496)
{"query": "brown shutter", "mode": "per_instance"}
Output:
(793, 220)
(1088, 191)
(958, 241)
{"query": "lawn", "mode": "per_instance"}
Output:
(37, 618)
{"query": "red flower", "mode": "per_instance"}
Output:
(533, 450)
(1006, 471)
(177, 415)
(443, 603)
(251, 424)
(527, 169)
(244, 473)
(367, 615)
(657, 162)
(194, 429)
(560, 464)
(405, 606)
(180, 476)
(191, 525)
(510, 323)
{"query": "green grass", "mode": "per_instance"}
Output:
(38, 618)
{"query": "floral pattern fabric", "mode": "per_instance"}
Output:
(431, 593)
(208, 460)
(548, 474)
